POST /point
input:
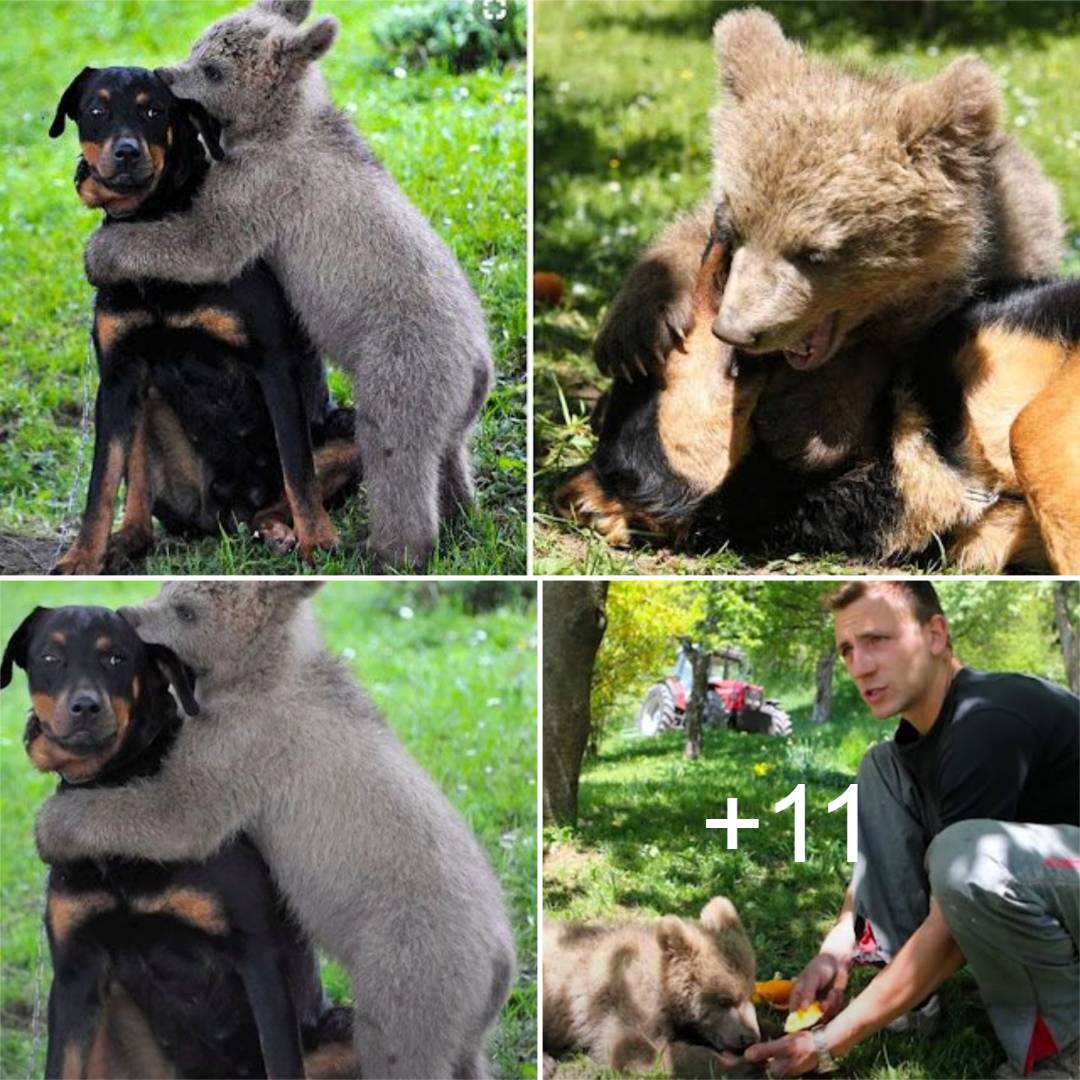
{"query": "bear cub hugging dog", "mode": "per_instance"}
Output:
(638, 995)
(373, 285)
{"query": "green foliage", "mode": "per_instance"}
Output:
(462, 34)
(623, 90)
(460, 691)
(783, 626)
(643, 625)
(455, 144)
(1003, 625)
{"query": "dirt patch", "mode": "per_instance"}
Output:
(27, 554)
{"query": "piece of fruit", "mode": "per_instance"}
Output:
(774, 991)
(804, 1018)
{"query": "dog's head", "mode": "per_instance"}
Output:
(99, 694)
(136, 137)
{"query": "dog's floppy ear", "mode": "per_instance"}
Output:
(205, 124)
(173, 670)
(15, 653)
(69, 101)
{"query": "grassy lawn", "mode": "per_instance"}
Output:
(459, 689)
(455, 144)
(640, 848)
(623, 91)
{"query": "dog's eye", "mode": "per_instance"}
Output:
(184, 613)
(152, 111)
(212, 72)
(114, 659)
(52, 658)
(97, 110)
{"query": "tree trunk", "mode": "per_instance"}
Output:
(574, 620)
(1066, 602)
(823, 686)
(695, 707)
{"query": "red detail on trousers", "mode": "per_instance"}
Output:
(1061, 864)
(866, 943)
(1042, 1044)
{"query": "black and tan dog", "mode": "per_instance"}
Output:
(159, 969)
(210, 397)
(968, 445)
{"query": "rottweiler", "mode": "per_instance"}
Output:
(211, 397)
(967, 449)
(159, 969)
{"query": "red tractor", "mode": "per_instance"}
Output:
(731, 702)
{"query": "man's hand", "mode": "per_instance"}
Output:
(824, 979)
(792, 1055)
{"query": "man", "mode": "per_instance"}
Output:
(969, 846)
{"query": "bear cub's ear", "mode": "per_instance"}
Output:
(719, 914)
(296, 11)
(961, 105)
(301, 48)
(752, 52)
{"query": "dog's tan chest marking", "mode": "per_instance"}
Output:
(223, 325)
(110, 327)
(66, 913)
(199, 909)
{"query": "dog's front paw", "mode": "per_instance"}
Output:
(54, 832)
(79, 560)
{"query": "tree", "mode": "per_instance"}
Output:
(796, 638)
(574, 622)
(644, 622)
(1066, 618)
(823, 679)
(700, 660)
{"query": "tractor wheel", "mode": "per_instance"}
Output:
(657, 710)
(716, 715)
(779, 721)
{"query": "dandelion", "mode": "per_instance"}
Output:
(614, 163)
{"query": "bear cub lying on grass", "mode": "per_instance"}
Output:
(639, 996)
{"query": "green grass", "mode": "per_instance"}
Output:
(622, 96)
(455, 144)
(641, 847)
(459, 689)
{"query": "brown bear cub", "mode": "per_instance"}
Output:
(644, 995)
(859, 207)
(882, 236)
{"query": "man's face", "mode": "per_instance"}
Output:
(888, 653)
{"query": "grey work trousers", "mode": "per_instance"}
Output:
(1010, 893)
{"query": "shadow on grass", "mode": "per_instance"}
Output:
(825, 24)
